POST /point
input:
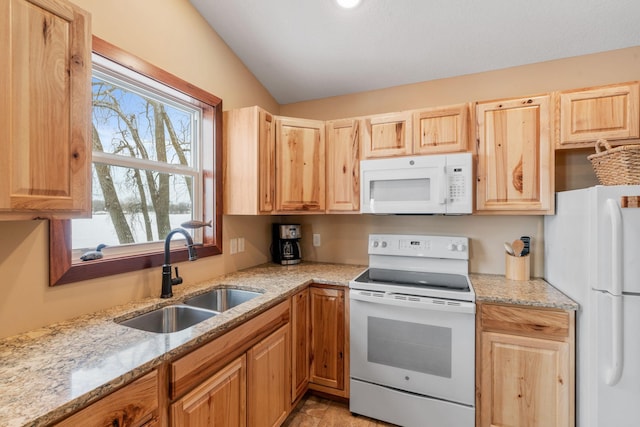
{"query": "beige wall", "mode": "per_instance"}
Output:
(193, 52)
(583, 71)
(344, 237)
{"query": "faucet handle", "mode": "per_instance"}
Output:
(177, 280)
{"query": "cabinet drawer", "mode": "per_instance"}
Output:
(547, 323)
(133, 405)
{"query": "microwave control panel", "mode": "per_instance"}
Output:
(459, 177)
(457, 184)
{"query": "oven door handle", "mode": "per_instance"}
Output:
(423, 304)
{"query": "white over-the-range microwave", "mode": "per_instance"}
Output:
(429, 184)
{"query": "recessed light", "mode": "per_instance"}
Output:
(348, 4)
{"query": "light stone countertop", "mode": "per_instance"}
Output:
(50, 372)
(534, 292)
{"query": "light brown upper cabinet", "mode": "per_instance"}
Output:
(249, 167)
(609, 112)
(386, 135)
(441, 130)
(300, 165)
(343, 165)
(45, 110)
(515, 156)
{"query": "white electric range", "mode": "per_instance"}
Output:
(412, 326)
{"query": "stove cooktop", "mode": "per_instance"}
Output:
(430, 266)
(456, 282)
(435, 285)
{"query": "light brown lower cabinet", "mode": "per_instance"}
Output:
(219, 401)
(329, 340)
(300, 344)
(237, 379)
(268, 380)
(525, 367)
(134, 405)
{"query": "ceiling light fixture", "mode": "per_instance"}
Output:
(348, 4)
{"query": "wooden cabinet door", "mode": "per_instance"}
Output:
(300, 165)
(136, 404)
(525, 367)
(609, 112)
(327, 337)
(386, 135)
(441, 130)
(525, 381)
(249, 167)
(515, 156)
(268, 380)
(219, 401)
(343, 165)
(300, 344)
(45, 109)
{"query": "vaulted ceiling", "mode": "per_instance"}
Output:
(309, 49)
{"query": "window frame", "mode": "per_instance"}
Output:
(61, 268)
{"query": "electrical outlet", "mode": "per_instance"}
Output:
(233, 246)
(240, 244)
(316, 240)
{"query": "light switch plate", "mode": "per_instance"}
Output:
(240, 244)
(233, 246)
(316, 240)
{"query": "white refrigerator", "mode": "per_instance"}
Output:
(592, 254)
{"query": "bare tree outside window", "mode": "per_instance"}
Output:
(144, 165)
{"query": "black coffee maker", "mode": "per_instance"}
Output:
(285, 247)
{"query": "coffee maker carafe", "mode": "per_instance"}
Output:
(285, 248)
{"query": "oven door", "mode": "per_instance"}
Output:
(423, 346)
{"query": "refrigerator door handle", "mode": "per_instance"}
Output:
(615, 215)
(614, 372)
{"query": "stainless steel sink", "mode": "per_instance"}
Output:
(172, 318)
(222, 299)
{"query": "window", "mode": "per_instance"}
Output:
(156, 164)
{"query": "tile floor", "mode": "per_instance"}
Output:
(314, 411)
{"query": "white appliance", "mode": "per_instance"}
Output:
(592, 254)
(435, 184)
(412, 325)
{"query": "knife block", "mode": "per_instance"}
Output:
(517, 267)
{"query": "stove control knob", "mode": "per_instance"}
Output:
(384, 244)
(375, 243)
(461, 247)
(451, 247)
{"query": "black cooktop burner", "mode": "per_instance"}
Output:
(453, 282)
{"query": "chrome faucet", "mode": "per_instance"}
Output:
(167, 280)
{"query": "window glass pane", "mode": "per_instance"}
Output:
(132, 122)
(145, 147)
(133, 206)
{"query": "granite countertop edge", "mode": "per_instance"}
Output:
(48, 373)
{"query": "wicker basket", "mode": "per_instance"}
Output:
(616, 166)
